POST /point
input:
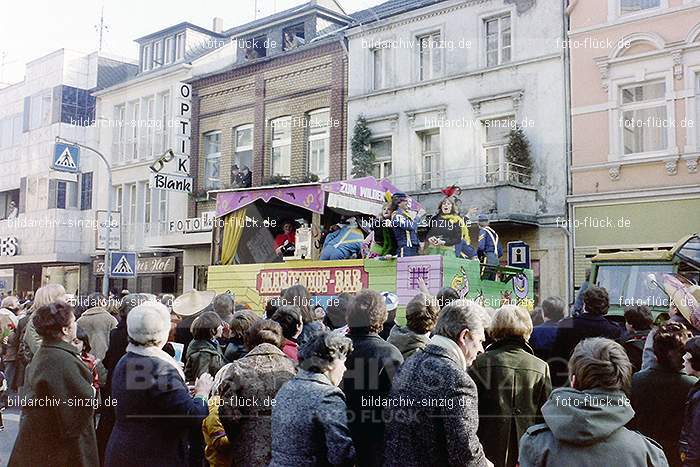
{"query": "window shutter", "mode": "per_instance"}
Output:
(57, 104)
(25, 116)
(86, 191)
(52, 194)
(22, 194)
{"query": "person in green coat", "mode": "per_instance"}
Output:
(57, 424)
(204, 354)
(512, 383)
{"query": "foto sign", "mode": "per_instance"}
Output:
(66, 158)
(122, 264)
(204, 223)
(519, 255)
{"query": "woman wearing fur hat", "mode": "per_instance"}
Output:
(154, 409)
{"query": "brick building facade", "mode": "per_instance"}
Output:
(292, 84)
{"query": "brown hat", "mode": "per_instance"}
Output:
(192, 302)
(685, 296)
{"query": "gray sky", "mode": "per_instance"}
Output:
(30, 29)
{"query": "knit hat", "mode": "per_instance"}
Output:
(149, 322)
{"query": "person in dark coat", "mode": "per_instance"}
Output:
(55, 429)
(297, 295)
(638, 321)
(154, 409)
(189, 306)
(371, 366)
(572, 330)
(257, 376)
(421, 316)
(309, 419)
(661, 392)
(239, 325)
(584, 425)
(543, 335)
(432, 412)
(118, 341)
(391, 301)
(513, 386)
(690, 434)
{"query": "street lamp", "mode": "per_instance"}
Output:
(105, 278)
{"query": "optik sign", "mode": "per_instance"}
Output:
(171, 172)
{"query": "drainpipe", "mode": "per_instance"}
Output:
(567, 8)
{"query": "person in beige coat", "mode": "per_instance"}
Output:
(97, 322)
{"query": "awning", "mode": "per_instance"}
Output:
(304, 196)
(364, 195)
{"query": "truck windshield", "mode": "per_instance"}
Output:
(626, 284)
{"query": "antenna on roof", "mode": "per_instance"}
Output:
(101, 28)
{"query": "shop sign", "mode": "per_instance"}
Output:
(9, 246)
(170, 182)
(318, 281)
(204, 223)
(157, 265)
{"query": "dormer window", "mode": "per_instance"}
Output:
(168, 50)
(256, 47)
(180, 46)
(157, 54)
(146, 57)
(293, 36)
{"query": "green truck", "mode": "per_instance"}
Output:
(634, 277)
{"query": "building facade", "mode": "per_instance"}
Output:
(148, 116)
(442, 85)
(635, 98)
(277, 115)
(47, 232)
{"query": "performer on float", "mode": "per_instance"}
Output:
(382, 236)
(284, 242)
(489, 248)
(448, 234)
(344, 243)
(404, 226)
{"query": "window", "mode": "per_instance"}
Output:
(634, 6)
(496, 141)
(168, 50)
(132, 131)
(86, 191)
(180, 46)
(40, 110)
(65, 194)
(5, 133)
(163, 208)
(319, 143)
(118, 198)
(281, 146)
(429, 56)
(146, 57)
(17, 129)
(132, 204)
(644, 118)
(163, 129)
(430, 156)
(212, 163)
(378, 69)
(119, 134)
(243, 146)
(293, 36)
(256, 47)
(498, 40)
(147, 206)
(149, 129)
(382, 158)
(157, 54)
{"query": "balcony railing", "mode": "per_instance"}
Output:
(491, 174)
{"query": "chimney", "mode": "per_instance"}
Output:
(218, 24)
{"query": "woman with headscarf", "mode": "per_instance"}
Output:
(56, 426)
(154, 409)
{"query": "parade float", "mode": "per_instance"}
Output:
(245, 262)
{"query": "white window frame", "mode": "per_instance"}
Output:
(382, 163)
(617, 4)
(323, 135)
(210, 183)
(119, 133)
(168, 50)
(245, 147)
(118, 198)
(163, 128)
(500, 145)
(179, 46)
(484, 38)
(146, 57)
(378, 81)
(149, 129)
(428, 183)
(157, 54)
(281, 144)
(432, 73)
(163, 209)
(147, 207)
(617, 130)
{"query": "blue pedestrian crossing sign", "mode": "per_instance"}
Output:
(519, 255)
(66, 158)
(122, 264)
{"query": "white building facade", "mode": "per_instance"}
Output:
(442, 85)
(47, 228)
(148, 116)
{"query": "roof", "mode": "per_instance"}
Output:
(299, 9)
(177, 27)
(112, 72)
(390, 8)
(654, 255)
